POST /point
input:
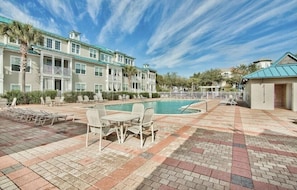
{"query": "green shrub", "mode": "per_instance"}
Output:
(155, 95)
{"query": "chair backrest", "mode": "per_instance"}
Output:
(138, 109)
(13, 103)
(93, 118)
(147, 117)
(101, 109)
(57, 99)
(48, 99)
(42, 100)
(95, 97)
(86, 98)
(62, 99)
(79, 98)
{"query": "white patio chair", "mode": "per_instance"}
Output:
(95, 125)
(137, 109)
(145, 124)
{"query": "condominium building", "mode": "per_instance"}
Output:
(68, 64)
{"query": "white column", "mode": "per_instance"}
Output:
(1, 72)
(107, 81)
(70, 81)
(41, 71)
(53, 72)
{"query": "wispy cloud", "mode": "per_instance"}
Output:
(125, 17)
(60, 9)
(20, 13)
(220, 33)
(93, 8)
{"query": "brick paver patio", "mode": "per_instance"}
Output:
(229, 147)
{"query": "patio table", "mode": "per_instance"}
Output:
(120, 118)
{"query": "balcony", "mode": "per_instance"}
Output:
(47, 69)
(66, 71)
(57, 70)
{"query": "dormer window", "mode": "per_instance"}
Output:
(75, 48)
(74, 35)
(52, 44)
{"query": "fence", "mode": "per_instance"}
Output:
(201, 95)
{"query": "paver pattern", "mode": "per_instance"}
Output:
(228, 147)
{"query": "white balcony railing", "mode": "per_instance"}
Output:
(47, 69)
(66, 71)
(57, 70)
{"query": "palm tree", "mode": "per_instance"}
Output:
(129, 71)
(27, 36)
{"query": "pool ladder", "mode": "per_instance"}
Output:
(191, 104)
(187, 107)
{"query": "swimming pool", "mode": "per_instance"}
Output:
(160, 106)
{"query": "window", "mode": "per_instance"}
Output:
(120, 58)
(57, 45)
(18, 87)
(52, 44)
(125, 87)
(80, 87)
(93, 53)
(105, 57)
(15, 64)
(49, 43)
(98, 71)
(75, 48)
(14, 41)
(98, 88)
(80, 68)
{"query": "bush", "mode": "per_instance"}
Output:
(155, 95)
(71, 97)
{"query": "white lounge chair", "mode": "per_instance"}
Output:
(80, 99)
(95, 125)
(87, 100)
(48, 101)
(42, 102)
(146, 123)
(59, 100)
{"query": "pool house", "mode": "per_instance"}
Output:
(274, 86)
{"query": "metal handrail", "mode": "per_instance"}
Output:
(187, 107)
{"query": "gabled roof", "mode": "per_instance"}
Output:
(285, 67)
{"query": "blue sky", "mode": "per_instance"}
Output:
(182, 36)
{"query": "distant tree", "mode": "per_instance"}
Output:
(211, 77)
(27, 36)
(242, 70)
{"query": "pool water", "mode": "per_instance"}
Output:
(160, 107)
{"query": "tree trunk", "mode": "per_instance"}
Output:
(24, 52)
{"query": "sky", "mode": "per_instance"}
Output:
(172, 36)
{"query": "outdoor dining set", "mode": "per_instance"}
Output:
(138, 122)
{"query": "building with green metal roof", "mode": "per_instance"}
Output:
(274, 86)
(68, 64)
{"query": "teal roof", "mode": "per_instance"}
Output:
(276, 70)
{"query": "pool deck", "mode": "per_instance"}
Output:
(228, 147)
